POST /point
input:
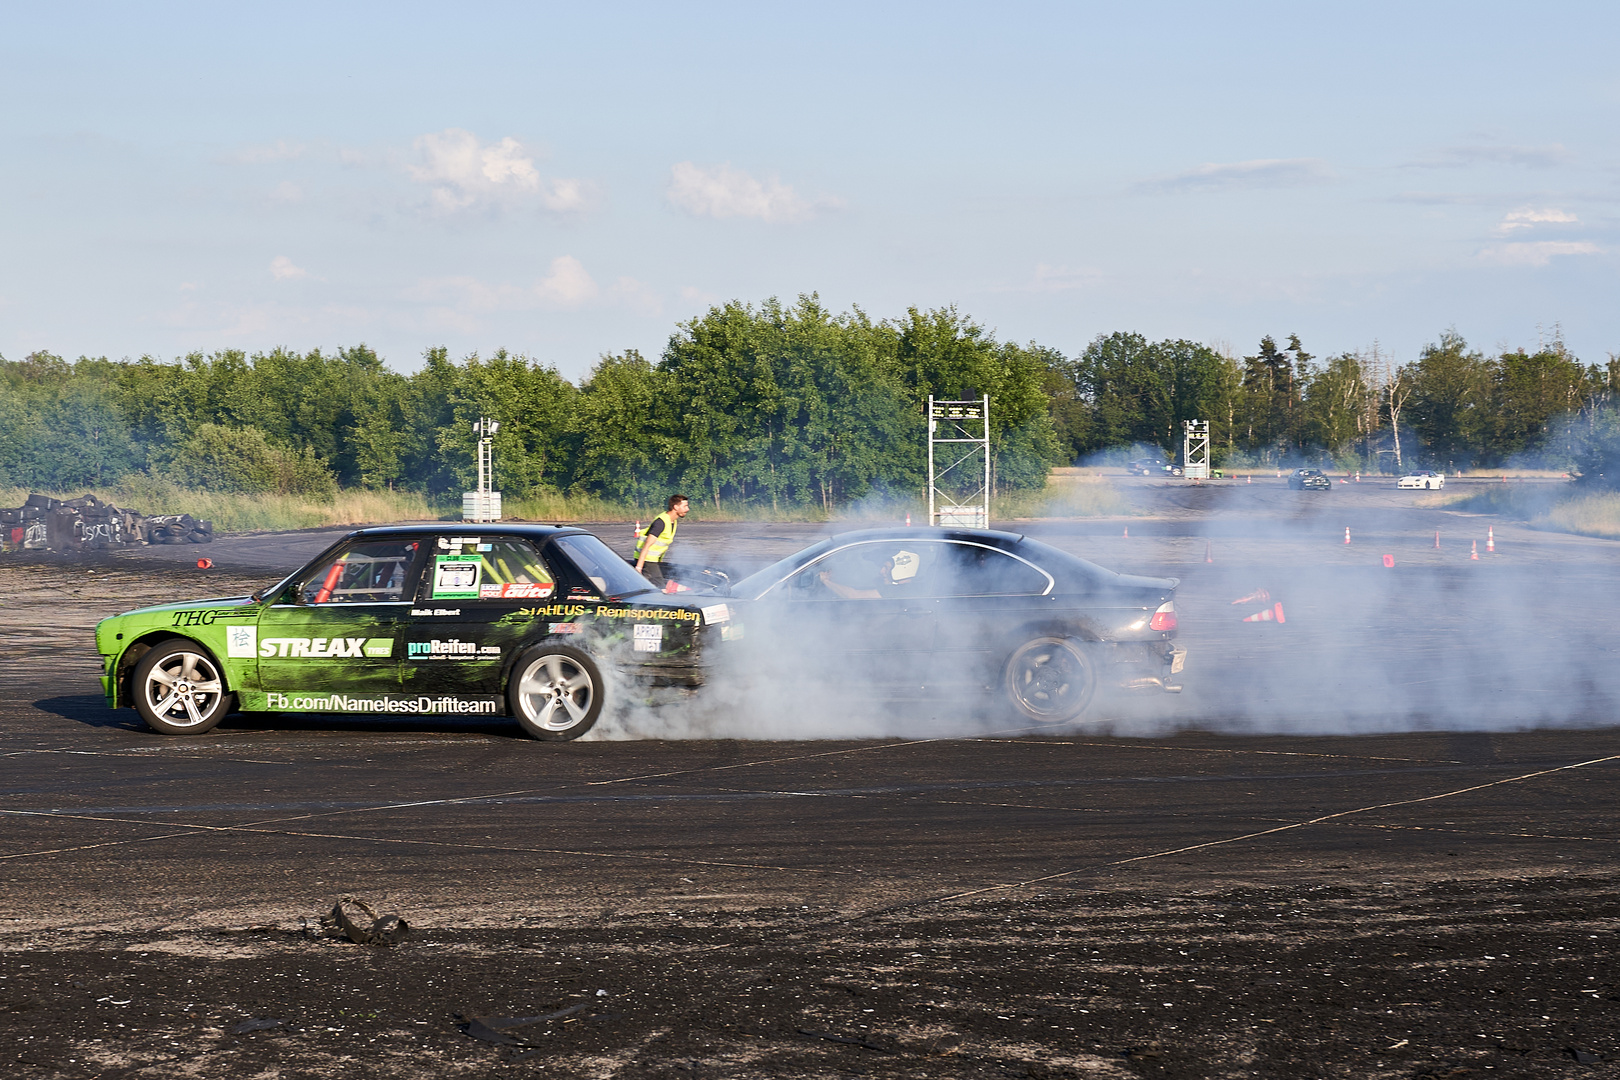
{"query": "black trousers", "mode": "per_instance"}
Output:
(654, 572)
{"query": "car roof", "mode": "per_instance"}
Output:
(468, 528)
(992, 537)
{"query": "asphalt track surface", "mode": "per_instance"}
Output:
(1365, 842)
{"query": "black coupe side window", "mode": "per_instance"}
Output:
(970, 570)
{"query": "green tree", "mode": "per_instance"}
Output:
(1450, 399)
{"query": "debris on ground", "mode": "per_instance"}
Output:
(242, 1027)
(382, 929)
(493, 1029)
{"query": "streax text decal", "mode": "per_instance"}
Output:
(303, 648)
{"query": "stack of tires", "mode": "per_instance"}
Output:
(46, 524)
(177, 529)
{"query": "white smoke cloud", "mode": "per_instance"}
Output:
(723, 192)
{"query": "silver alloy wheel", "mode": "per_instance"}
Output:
(556, 693)
(1050, 679)
(183, 690)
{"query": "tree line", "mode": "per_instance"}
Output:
(1452, 407)
(780, 405)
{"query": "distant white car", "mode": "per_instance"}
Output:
(1422, 480)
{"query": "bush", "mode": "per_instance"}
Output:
(244, 461)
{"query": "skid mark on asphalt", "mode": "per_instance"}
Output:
(1334, 817)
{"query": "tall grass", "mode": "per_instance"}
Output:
(1068, 493)
(1589, 515)
(250, 513)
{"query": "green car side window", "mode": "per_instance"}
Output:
(366, 573)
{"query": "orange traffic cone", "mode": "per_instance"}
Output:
(637, 534)
(1272, 614)
(1258, 594)
(1127, 532)
(1474, 554)
(1347, 534)
(1248, 479)
(1389, 562)
(1490, 538)
(1437, 539)
(908, 521)
(1209, 551)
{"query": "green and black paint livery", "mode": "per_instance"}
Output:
(412, 620)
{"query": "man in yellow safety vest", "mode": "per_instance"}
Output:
(655, 539)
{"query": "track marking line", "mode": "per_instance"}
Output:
(1263, 832)
(192, 830)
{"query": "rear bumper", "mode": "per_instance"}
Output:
(1153, 665)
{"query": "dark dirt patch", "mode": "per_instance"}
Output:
(1453, 979)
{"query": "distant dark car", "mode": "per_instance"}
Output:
(958, 613)
(1301, 479)
(1151, 467)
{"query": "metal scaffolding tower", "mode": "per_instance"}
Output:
(959, 494)
(483, 504)
(1195, 449)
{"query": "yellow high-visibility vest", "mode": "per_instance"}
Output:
(656, 545)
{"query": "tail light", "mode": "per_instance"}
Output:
(1165, 617)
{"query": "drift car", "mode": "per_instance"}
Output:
(1151, 467)
(482, 620)
(1421, 480)
(955, 613)
(1302, 479)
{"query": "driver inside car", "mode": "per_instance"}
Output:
(893, 577)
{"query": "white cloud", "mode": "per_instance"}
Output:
(1461, 157)
(1535, 253)
(724, 192)
(286, 192)
(569, 284)
(638, 296)
(463, 173)
(1260, 172)
(1529, 218)
(266, 153)
(1050, 278)
(282, 269)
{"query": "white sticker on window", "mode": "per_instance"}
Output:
(716, 614)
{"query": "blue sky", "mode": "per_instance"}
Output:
(567, 180)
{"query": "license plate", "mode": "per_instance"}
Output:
(1177, 658)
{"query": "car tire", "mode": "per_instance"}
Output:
(556, 692)
(179, 689)
(1425, 485)
(1175, 472)
(1050, 679)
